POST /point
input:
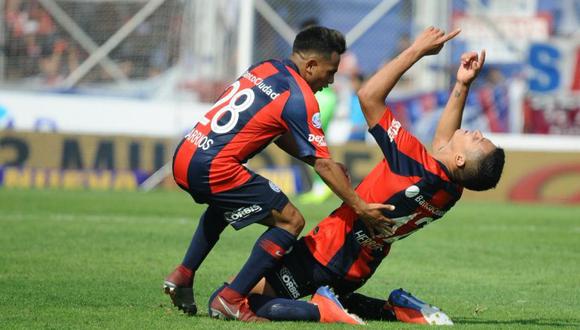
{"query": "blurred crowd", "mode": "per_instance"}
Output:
(38, 51)
(33, 46)
(37, 48)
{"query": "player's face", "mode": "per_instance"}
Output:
(471, 142)
(322, 74)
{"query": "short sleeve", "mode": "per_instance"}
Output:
(403, 151)
(304, 123)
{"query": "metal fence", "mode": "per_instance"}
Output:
(193, 48)
(61, 44)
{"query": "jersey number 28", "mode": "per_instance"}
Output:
(234, 109)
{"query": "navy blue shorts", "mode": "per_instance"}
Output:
(299, 274)
(249, 203)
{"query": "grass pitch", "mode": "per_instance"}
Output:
(97, 260)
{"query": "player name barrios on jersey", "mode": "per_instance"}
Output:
(199, 139)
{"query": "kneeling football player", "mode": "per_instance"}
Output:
(343, 253)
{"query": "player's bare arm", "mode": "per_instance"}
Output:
(336, 176)
(471, 64)
(287, 143)
(374, 92)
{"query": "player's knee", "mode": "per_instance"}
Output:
(298, 224)
(293, 225)
(291, 221)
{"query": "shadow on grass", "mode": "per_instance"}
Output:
(537, 322)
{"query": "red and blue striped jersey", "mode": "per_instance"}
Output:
(409, 178)
(268, 100)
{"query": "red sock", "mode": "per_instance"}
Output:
(230, 294)
(186, 276)
(185, 271)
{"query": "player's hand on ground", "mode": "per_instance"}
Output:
(431, 40)
(375, 221)
(471, 64)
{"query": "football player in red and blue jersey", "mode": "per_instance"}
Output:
(341, 252)
(272, 101)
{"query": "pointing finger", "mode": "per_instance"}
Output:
(451, 35)
(388, 207)
(481, 58)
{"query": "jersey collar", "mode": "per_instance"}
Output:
(291, 64)
(445, 169)
(457, 188)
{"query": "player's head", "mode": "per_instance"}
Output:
(478, 161)
(316, 52)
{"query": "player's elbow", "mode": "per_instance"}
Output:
(369, 100)
(363, 95)
(323, 166)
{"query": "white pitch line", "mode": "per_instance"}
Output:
(73, 217)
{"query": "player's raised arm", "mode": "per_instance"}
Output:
(471, 64)
(374, 92)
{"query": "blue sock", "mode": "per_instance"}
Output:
(267, 251)
(280, 309)
(206, 235)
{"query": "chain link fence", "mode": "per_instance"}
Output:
(193, 48)
(47, 43)
(390, 31)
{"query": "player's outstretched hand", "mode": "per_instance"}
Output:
(375, 220)
(471, 65)
(431, 40)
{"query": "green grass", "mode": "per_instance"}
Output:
(97, 260)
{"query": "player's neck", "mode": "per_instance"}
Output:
(445, 156)
(298, 60)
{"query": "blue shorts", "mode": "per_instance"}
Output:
(299, 274)
(246, 204)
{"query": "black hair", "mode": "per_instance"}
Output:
(486, 173)
(312, 21)
(319, 39)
